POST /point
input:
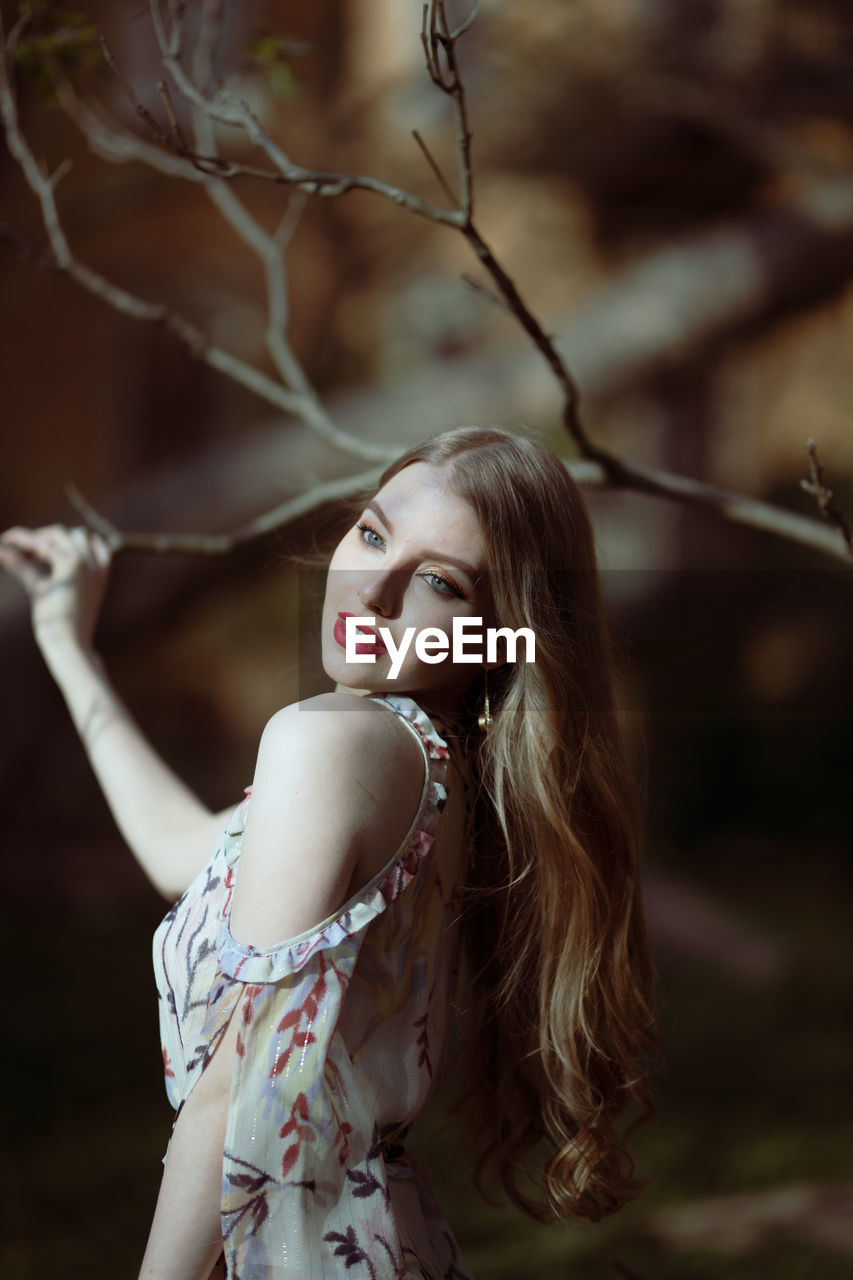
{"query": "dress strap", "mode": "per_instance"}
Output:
(407, 709)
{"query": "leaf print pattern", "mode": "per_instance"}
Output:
(366, 1184)
(422, 1041)
(340, 1032)
(253, 1206)
(347, 1247)
(301, 1132)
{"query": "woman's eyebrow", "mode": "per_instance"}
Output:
(473, 574)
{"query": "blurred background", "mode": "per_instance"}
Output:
(671, 187)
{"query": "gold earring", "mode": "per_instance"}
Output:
(485, 720)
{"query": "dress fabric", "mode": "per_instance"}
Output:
(341, 1031)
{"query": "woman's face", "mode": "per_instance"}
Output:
(412, 560)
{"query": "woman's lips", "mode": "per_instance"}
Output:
(363, 644)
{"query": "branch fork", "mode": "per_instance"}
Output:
(290, 390)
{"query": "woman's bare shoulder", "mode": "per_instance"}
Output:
(335, 792)
(354, 731)
(339, 773)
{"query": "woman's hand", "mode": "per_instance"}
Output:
(64, 572)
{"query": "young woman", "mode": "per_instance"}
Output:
(306, 971)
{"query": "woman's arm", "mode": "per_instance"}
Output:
(170, 832)
(186, 1235)
(168, 829)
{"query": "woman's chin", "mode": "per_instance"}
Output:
(353, 678)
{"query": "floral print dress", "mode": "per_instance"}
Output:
(340, 1034)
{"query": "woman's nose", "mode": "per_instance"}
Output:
(377, 594)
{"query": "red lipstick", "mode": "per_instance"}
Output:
(363, 644)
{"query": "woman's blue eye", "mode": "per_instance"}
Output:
(451, 590)
(368, 528)
(445, 588)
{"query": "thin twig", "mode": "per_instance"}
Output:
(733, 507)
(300, 404)
(178, 139)
(544, 344)
(270, 251)
(63, 169)
(177, 26)
(110, 533)
(286, 228)
(440, 50)
(823, 495)
(468, 23)
(141, 111)
(117, 145)
(433, 164)
(216, 544)
(226, 109)
(17, 31)
(478, 287)
(210, 22)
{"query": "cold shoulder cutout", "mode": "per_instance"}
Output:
(340, 1035)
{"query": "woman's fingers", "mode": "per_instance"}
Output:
(64, 572)
(26, 556)
(103, 552)
(80, 538)
(51, 552)
(25, 539)
(54, 537)
(45, 542)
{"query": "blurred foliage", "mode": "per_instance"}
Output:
(671, 114)
(273, 54)
(53, 43)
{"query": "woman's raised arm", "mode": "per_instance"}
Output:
(168, 829)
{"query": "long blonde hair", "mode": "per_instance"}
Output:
(559, 1021)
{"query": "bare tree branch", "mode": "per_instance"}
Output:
(118, 146)
(227, 109)
(301, 402)
(439, 44)
(433, 164)
(823, 495)
(442, 65)
(179, 142)
(473, 283)
(203, 164)
(216, 544)
(268, 248)
(440, 49)
(286, 228)
(734, 507)
(737, 508)
(142, 111)
(206, 42)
